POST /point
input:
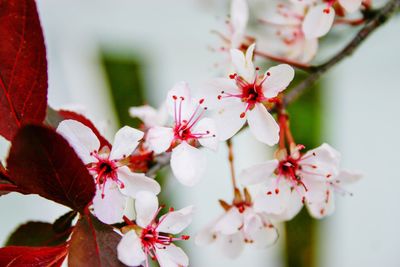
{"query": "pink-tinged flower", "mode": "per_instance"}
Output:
(150, 116)
(114, 181)
(242, 97)
(286, 20)
(189, 130)
(153, 238)
(295, 179)
(239, 225)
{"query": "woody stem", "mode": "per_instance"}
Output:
(231, 163)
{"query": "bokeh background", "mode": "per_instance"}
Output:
(105, 55)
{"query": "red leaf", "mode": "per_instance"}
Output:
(93, 243)
(23, 66)
(32, 256)
(42, 162)
(66, 114)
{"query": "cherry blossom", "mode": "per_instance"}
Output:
(286, 20)
(294, 179)
(149, 237)
(114, 181)
(190, 129)
(240, 224)
(242, 97)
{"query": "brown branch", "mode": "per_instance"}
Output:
(380, 17)
(231, 164)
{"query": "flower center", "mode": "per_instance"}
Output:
(104, 170)
(184, 129)
(251, 93)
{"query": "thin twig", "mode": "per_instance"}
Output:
(231, 163)
(382, 15)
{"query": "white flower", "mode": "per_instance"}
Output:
(296, 179)
(289, 42)
(242, 98)
(114, 181)
(153, 238)
(239, 225)
(238, 22)
(318, 21)
(189, 129)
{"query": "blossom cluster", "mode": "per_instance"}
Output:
(121, 189)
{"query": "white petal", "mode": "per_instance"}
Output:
(109, 209)
(188, 164)
(172, 256)
(350, 5)
(274, 199)
(176, 221)
(265, 237)
(184, 107)
(319, 198)
(239, 19)
(213, 88)
(228, 120)
(310, 50)
(258, 173)
(135, 182)
(146, 206)
(251, 222)
(159, 138)
(321, 163)
(348, 177)
(230, 222)
(231, 245)
(210, 140)
(149, 115)
(130, 250)
(263, 125)
(243, 64)
(206, 236)
(278, 78)
(318, 21)
(125, 142)
(81, 138)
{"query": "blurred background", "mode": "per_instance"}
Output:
(105, 56)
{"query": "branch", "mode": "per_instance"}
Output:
(382, 15)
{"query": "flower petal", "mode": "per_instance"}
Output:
(208, 127)
(188, 164)
(258, 173)
(319, 199)
(171, 256)
(179, 101)
(321, 163)
(265, 237)
(243, 64)
(130, 250)
(136, 182)
(213, 88)
(125, 142)
(228, 120)
(81, 138)
(231, 245)
(176, 221)
(109, 209)
(149, 115)
(277, 79)
(159, 138)
(350, 5)
(230, 222)
(348, 177)
(146, 206)
(318, 21)
(263, 125)
(239, 19)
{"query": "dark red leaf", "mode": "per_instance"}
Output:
(32, 256)
(37, 234)
(42, 162)
(93, 243)
(23, 66)
(66, 114)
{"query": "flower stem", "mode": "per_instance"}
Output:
(231, 163)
